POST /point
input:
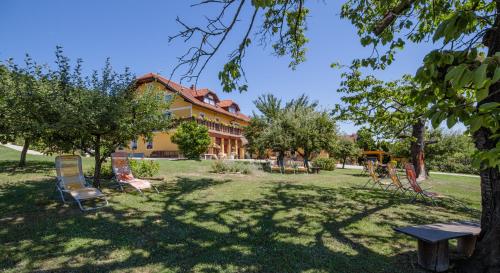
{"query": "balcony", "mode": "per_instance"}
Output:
(216, 126)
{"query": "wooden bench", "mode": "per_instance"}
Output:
(433, 251)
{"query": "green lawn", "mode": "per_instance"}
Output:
(203, 222)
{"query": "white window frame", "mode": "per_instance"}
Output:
(210, 99)
(168, 97)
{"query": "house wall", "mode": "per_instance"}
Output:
(181, 108)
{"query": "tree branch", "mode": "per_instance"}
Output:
(391, 16)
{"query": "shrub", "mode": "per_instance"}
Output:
(144, 168)
(140, 168)
(457, 163)
(327, 164)
(106, 171)
(192, 139)
(221, 166)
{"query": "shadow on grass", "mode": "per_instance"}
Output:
(289, 228)
(11, 167)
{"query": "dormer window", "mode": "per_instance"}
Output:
(209, 99)
(232, 109)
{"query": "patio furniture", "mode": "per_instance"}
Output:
(71, 182)
(373, 178)
(210, 156)
(289, 166)
(274, 167)
(123, 174)
(418, 191)
(299, 167)
(433, 249)
(396, 182)
(312, 168)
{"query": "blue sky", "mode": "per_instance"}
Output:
(135, 34)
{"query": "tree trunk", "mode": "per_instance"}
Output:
(281, 156)
(486, 257)
(417, 148)
(22, 161)
(343, 162)
(306, 160)
(98, 162)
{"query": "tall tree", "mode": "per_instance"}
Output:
(313, 130)
(25, 103)
(113, 112)
(101, 112)
(344, 149)
(460, 78)
(388, 108)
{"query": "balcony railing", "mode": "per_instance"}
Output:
(216, 126)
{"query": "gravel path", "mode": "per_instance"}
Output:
(20, 148)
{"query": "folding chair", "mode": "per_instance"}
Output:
(71, 182)
(123, 174)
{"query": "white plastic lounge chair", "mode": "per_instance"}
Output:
(123, 174)
(71, 182)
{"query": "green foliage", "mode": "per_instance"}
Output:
(27, 106)
(459, 78)
(327, 164)
(283, 27)
(144, 168)
(401, 148)
(313, 131)
(106, 171)
(451, 152)
(386, 109)
(252, 133)
(65, 111)
(140, 168)
(192, 139)
(345, 149)
(296, 126)
(221, 166)
(365, 140)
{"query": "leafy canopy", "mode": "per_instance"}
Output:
(192, 139)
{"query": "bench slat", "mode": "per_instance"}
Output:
(442, 231)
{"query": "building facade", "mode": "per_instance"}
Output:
(223, 118)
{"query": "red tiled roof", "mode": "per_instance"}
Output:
(202, 92)
(227, 103)
(190, 94)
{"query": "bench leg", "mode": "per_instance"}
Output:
(466, 245)
(433, 256)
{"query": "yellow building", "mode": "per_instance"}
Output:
(222, 117)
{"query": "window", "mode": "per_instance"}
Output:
(202, 115)
(149, 145)
(232, 109)
(133, 144)
(168, 97)
(209, 99)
